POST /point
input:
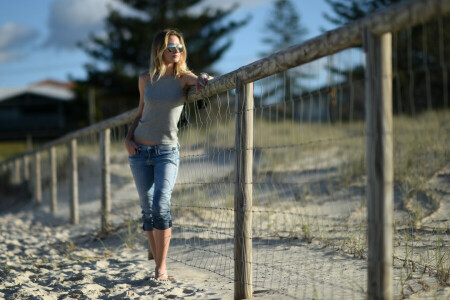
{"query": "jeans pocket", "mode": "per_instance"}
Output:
(135, 154)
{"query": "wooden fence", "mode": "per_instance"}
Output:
(374, 32)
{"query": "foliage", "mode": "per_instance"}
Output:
(351, 10)
(125, 46)
(284, 29)
(11, 148)
(420, 55)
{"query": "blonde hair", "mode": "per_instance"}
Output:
(157, 66)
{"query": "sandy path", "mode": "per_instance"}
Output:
(41, 256)
(63, 262)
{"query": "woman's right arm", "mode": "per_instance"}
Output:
(130, 145)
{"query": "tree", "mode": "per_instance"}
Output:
(125, 47)
(351, 10)
(420, 80)
(283, 29)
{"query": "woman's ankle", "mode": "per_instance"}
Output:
(160, 271)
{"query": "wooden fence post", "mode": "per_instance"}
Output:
(16, 173)
(91, 102)
(5, 175)
(37, 178)
(379, 163)
(73, 181)
(26, 168)
(26, 173)
(54, 180)
(243, 191)
(105, 178)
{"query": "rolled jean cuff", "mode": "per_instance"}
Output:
(147, 226)
(162, 225)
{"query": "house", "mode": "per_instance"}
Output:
(41, 110)
(340, 102)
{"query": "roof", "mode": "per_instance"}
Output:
(67, 85)
(52, 89)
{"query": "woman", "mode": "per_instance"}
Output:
(152, 141)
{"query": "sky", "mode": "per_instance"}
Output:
(38, 37)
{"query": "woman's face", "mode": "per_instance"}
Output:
(174, 56)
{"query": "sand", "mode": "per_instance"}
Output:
(40, 261)
(42, 256)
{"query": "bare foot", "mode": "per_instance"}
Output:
(163, 277)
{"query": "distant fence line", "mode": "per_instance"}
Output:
(372, 31)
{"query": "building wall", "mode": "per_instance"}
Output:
(33, 114)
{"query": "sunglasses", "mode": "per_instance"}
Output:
(171, 48)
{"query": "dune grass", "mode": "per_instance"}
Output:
(11, 148)
(302, 169)
(284, 149)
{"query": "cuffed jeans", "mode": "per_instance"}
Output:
(154, 171)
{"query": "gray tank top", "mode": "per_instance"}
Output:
(163, 103)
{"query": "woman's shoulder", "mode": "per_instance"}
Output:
(187, 79)
(144, 76)
(143, 79)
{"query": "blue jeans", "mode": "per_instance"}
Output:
(154, 171)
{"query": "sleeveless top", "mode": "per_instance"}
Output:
(163, 103)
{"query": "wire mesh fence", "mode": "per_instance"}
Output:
(203, 199)
(309, 205)
(309, 182)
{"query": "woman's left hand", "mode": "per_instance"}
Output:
(202, 80)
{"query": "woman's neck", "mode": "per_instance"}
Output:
(169, 70)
